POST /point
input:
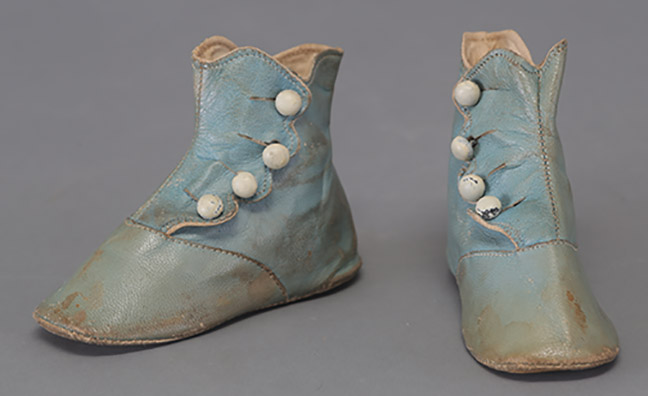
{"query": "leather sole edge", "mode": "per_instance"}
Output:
(530, 367)
(76, 335)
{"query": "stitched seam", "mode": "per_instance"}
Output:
(558, 50)
(585, 363)
(180, 219)
(294, 131)
(503, 228)
(86, 335)
(266, 190)
(135, 341)
(264, 267)
(490, 362)
(221, 219)
(288, 126)
(498, 253)
(289, 129)
(310, 81)
(513, 233)
(187, 222)
(471, 72)
(264, 58)
(545, 162)
(291, 136)
(541, 130)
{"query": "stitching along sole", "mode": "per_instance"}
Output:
(530, 367)
(77, 335)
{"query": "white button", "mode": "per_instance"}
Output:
(288, 102)
(209, 206)
(471, 187)
(488, 207)
(467, 93)
(276, 156)
(461, 148)
(244, 184)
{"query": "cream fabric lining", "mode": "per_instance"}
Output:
(476, 45)
(213, 48)
(300, 59)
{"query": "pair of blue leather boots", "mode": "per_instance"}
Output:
(254, 216)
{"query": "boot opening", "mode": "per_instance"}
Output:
(301, 59)
(476, 45)
(213, 48)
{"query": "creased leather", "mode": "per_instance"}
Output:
(147, 284)
(532, 310)
(226, 110)
(509, 104)
(141, 285)
(525, 304)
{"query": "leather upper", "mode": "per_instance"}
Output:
(526, 306)
(518, 103)
(133, 289)
(229, 100)
(167, 273)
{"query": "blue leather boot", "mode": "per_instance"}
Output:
(526, 306)
(254, 215)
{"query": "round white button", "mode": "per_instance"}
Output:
(276, 156)
(288, 102)
(471, 187)
(244, 184)
(461, 148)
(467, 93)
(488, 207)
(209, 206)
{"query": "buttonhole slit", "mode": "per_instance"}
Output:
(499, 167)
(514, 204)
(250, 138)
(474, 140)
(186, 190)
(227, 167)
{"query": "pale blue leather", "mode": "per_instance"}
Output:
(525, 304)
(166, 273)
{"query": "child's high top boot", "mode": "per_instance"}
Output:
(526, 306)
(253, 216)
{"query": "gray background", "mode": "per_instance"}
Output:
(96, 109)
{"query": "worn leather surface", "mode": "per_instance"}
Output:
(140, 283)
(166, 273)
(532, 308)
(525, 303)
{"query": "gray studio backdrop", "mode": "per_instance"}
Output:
(96, 109)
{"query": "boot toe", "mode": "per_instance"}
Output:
(531, 310)
(141, 287)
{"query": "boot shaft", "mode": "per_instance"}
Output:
(298, 222)
(236, 118)
(519, 154)
(253, 216)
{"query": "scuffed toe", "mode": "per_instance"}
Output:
(142, 287)
(532, 311)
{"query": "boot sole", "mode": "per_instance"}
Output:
(529, 367)
(76, 335)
